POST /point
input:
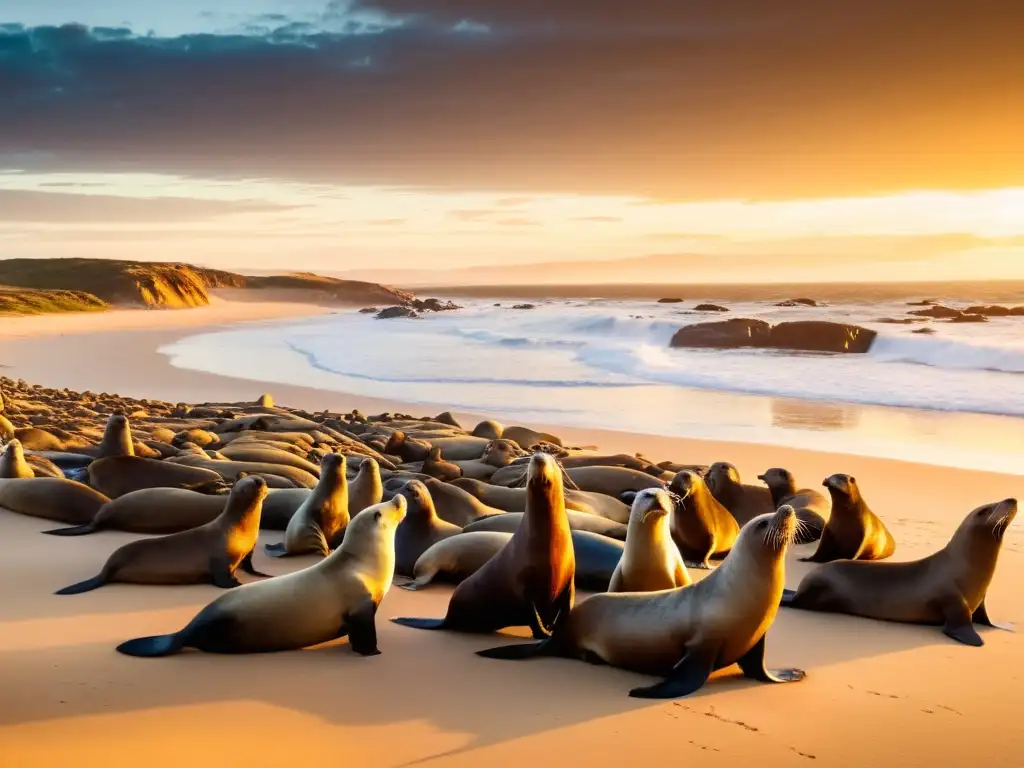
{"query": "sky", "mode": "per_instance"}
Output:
(811, 139)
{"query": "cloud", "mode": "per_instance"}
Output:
(386, 222)
(659, 98)
(29, 206)
(600, 219)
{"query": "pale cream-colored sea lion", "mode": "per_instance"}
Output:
(684, 634)
(336, 597)
(12, 463)
(365, 489)
(853, 531)
(651, 559)
(947, 588)
(320, 522)
(421, 528)
(528, 583)
(51, 498)
(117, 475)
(813, 508)
(207, 554)
(701, 527)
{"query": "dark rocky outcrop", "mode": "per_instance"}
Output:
(938, 311)
(900, 320)
(389, 312)
(798, 303)
(926, 331)
(802, 336)
(710, 308)
(433, 305)
(922, 303)
(967, 317)
(670, 301)
(369, 310)
(524, 306)
(995, 310)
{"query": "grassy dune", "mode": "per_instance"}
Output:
(26, 301)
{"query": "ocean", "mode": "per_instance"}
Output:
(954, 398)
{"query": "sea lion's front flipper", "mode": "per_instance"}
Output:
(221, 575)
(275, 550)
(420, 623)
(788, 596)
(981, 617)
(83, 586)
(827, 551)
(687, 676)
(958, 622)
(247, 566)
(753, 667)
(518, 651)
(362, 629)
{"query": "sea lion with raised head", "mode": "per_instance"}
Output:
(509, 522)
(684, 634)
(12, 463)
(117, 439)
(437, 467)
(528, 583)
(947, 588)
(319, 523)
(853, 531)
(812, 507)
(701, 527)
(455, 505)
(117, 475)
(421, 528)
(153, 510)
(337, 596)
(366, 488)
(51, 498)
(207, 554)
(651, 559)
(744, 502)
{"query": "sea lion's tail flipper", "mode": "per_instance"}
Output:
(275, 550)
(788, 595)
(83, 586)
(75, 530)
(519, 651)
(249, 568)
(420, 623)
(156, 645)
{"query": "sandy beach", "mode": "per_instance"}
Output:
(885, 693)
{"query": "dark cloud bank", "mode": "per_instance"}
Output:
(669, 98)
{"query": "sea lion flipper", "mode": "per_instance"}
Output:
(687, 676)
(275, 550)
(221, 575)
(981, 617)
(157, 645)
(362, 629)
(788, 598)
(83, 586)
(75, 530)
(420, 623)
(249, 568)
(753, 667)
(958, 622)
(828, 549)
(517, 651)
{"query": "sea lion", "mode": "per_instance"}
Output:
(853, 531)
(320, 522)
(51, 498)
(34, 439)
(260, 454)
(651, 559)
(514, 499)
(455, 506)
(528, 583)
(117, 475)
(526, 438)
(336, 597)
(292, 477)
(744, 502)
(117, 439)
(12, 463)
(366, 488)
(42, 466)
(7, 430)
(947, 588)
(611, 481)
(421, 528)
(701, 527)
(498, 454)
(407, 448)
(437, 467)
(281, 504)
(509, 522)
(490, 430)
(154, 511)
(687, 633)
(207, 554)
(812, 507)
(265, 400)
(462, 448)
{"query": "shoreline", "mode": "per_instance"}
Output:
(428, 699)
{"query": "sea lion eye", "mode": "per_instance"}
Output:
(376, 515)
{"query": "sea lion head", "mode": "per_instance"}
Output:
(6, 428)
(373, 525)
(247, 493)
(842, 488)
(394, 442)
(768, 536)
(420, 504)
(720, 475)
(14, 451)
(651, 504)
(544, 481)
(685, 484)
(333, 466)
(779, 481)
(501, 453)
(369, 466)
(983, 529)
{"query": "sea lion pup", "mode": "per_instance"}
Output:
(336, 597)
(947, 588)
(853, 531)
(320, 522)
(12, 463)
(437, 467)
(509, 522)
(51, 498)
(207, 554)
(117, 475)
(812, 507)
(153, 511)
(489, 429)
(701, 527)
(744, 502)
(528, 583)
(651, 559)
(421, 528)
(684, 634)
(366, 488)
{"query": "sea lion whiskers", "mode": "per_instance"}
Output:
(1000, 525)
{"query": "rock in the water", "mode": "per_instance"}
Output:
(710, 308)
(434, 305)
(798, 303)
(389, 312)
(670, 301)
(900, 320)
(524, 306)
(369, 310)
(927, 331)
(804, 336)
(922, 303)
(968, 318)
(938, 311)
(995, 310)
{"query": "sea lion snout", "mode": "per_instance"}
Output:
(653, 501)
(542, 468)
(840, 483)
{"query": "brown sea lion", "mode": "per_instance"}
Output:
(207, 554)
(684, 634)
(701, 527)
(117, 475)
(853, 531)
(230, 470)
(421, 528)
(527, 438)
(117, 439)
(456, 558)
(437, 467)
(42, 466)
(514, 500)
(336, 597)
(320, 522)
(34, 439)
(281, 504)
(744, 502)
(509, 522)
(51, 498)
(258, 453)
(455, 506)
(489, 430)
(812, 507)
(12, 463)
(947, 588)
(651, 559)
(528, 583)
(154, 511)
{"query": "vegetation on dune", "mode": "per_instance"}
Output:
(26, 301)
